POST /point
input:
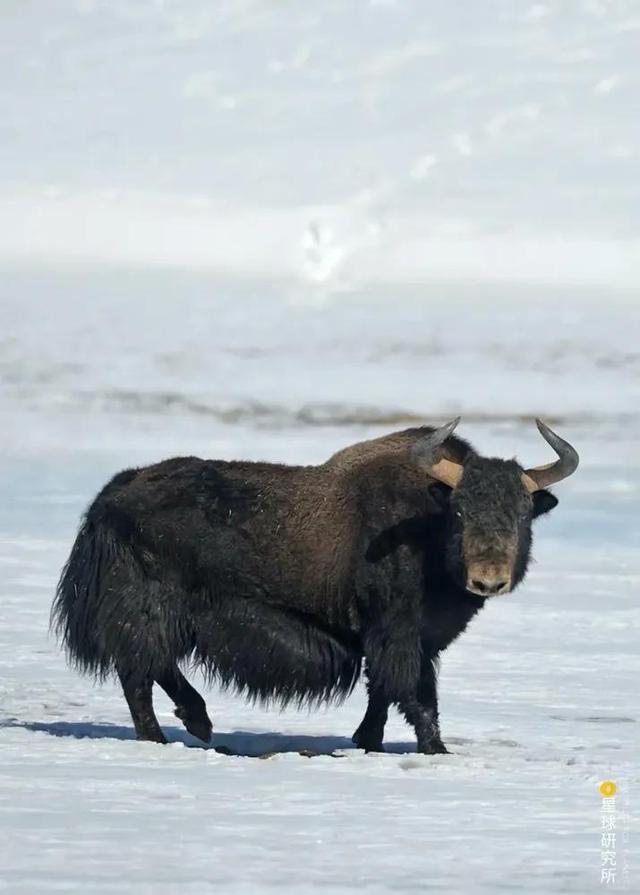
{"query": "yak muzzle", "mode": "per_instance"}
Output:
(488, 579)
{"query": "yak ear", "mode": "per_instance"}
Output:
(439, 495)
(543, 502)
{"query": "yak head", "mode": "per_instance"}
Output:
(490, 505)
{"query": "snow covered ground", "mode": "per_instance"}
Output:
(349, 140)
(265, 230)
(539, 697)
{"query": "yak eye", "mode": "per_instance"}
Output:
(458, 514)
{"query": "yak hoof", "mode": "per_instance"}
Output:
(152, 736)
(436, 747)
(368, 743)
(199, 727)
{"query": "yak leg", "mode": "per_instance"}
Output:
(393, 653)
(137, 692)
(190, 706)
(402, 671)
(370, 733)
(421, 711)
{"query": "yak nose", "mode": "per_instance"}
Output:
(488, 581)
(488, 587)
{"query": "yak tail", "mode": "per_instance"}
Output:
(77, 604)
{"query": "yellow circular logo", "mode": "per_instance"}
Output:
(607, 788)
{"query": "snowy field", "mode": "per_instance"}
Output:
(264, 230)
(538, 698)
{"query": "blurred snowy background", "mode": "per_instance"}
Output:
(267, 229)
(334, 143)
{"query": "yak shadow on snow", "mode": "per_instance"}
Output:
(246, 743)
(238, 742)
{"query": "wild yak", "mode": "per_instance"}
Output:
(279, 580)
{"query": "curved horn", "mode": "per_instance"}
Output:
(426, 452)
(539, 477)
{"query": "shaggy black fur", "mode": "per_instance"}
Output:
(279, 580)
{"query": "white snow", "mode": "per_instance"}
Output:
(215, 135)
(539, 699)
(263, 230)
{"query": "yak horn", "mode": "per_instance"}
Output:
(426, 452)
(539, 477)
